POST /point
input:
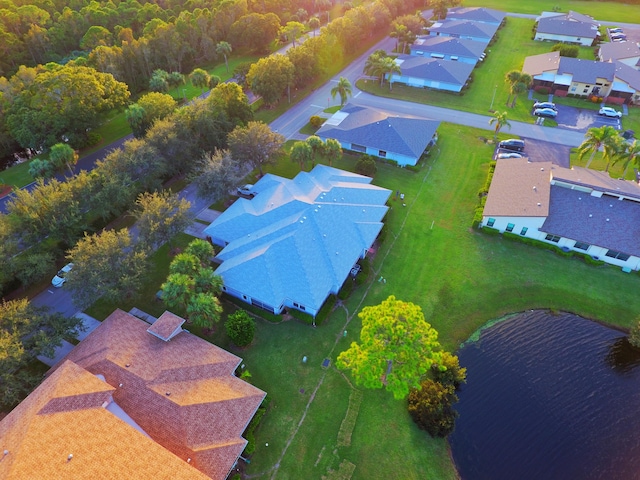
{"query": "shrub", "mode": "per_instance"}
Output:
(241, 328)
(366, 166)
(253, 424)
(453, 375)
(634, 334)
(316, 121)
(542, 90)
(431, 408)
(566, 50)
(347, 288)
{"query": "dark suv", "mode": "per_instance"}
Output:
(512, 144)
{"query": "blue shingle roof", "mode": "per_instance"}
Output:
(435, 70)
(298, 239)
(374, 128)
(449, 46)
(465, 27)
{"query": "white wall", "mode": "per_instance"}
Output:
(550, 37)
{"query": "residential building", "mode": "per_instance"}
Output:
(448, 48)
(298, 240)
(477, 14)
(576, 209)
(403, 139)
(133, 400)
(624, 52)
(465, 29)
(569, 27)
(432, 73)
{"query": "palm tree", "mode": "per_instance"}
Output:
(613, 151)
(224, 49)
(500, 120)
(390, 67)
(595, 138)
(399, 32)
(510, 78)
(631, 154)
(343, 88)
(374, 66)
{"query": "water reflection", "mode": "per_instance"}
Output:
(623, 357)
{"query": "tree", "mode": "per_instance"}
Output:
(452, 374)
(63, 156)
(96, 36)
(612, 151)
(27, 331)
(595, 138)
(499, 120)
(159, 81)
(202, 250)
(224, 49)
(256, 145)
(199, 78)
(150, 107)
(317, 147)
(270, 77)
(313, 24)
(631, 155)
(106, 265)
(389, 66)
(342, 88)
(431, 407)
(374, 65)
(301, 153)
(291, 31)
(41, 168)
(366, 165)
(397, 348)
(204, 310)
(160, 216)
(634, 334)
(136, 116)
(255, 31)
(233, 101)
(216, 174)
(240, 328)
(518, 83)
(332, 150)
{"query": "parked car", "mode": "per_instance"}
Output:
(60, 278)
(247, 191)
(609, 112)
(513, 144)
(545, 105)
(509, 155)
(545, 112)
(615, 30)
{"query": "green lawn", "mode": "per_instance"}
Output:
(611, 11)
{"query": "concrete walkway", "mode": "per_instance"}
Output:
(89, 324)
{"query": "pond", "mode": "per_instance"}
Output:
(548, 396)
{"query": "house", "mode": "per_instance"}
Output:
(465, 29)
(432, 73)
(297, 241)
(477, 14)
(576, 209)
(569, 27)
(573, 76)
(381, 133)
(448, 48)
(624, 52)
(133, 400)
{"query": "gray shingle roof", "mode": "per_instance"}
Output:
(572, 24)
(628, 74)
(298, 239)
(603, 221)
(434, 69)
(407, 135)
(612, 51)
(449, 46)
(600, 181)
(465, 27)
(586, 71)
(477, 14)
(544, 62)
(512, 192)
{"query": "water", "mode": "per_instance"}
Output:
(548, 397)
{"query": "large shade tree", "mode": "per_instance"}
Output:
(397, 348)
(256, 145)
(216, 174)
(270, 77)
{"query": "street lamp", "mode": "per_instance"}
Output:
(493, 98)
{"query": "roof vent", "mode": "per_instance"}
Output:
(590, 215)
(542, 169)
(6, 452)
(534, 187)
(188, 460)
(120, 385)
(337, 253)
(610, 205)
(579, 198)
(127, 365)
(607, 219)
(69, 457)
(168, 394)
(539, 204)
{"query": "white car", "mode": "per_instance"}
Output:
(59, 279)
(508, 155)
(247, 191)
(609, 112)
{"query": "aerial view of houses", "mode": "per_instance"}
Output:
(358, 240)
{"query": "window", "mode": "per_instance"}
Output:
(490, 222)
(581, 246)
(510, 227)
(382, 153)
(358, 148)
(552, 238)
(523, 231)
(617, 255)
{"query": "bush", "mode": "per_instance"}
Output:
(366, 166)
(241, 328)
(347, 288)
(542, 90)
(316, 121)
(431, 408)
(253, 424)
(453, 373)
(566, 50)
(634, 334)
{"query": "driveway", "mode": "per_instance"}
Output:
(582, 119)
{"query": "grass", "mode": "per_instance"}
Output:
(610, 11)
(461, 279)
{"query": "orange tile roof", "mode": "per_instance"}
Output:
(182, 393)
(167, 326)
(63, 430)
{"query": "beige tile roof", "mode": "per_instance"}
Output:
(538, 64)
(65, 416)
(182, 393)
(167, 326)
(512, 191)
